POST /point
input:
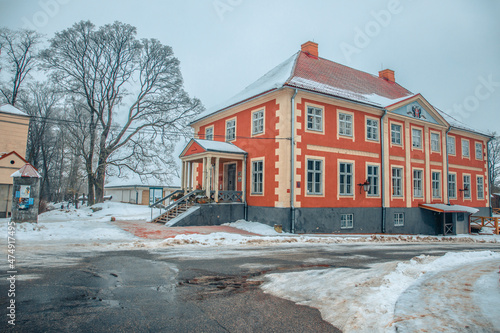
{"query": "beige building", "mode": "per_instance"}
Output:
(14, 126)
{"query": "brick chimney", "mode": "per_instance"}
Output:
(310, 48)
(387, 74)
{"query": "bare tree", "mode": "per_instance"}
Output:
(494, 163)
(18, 59)
(133, 91)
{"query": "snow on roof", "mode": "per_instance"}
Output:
(26, 170)
(219, 146)
(134, 180)
(7, 108)
(458, 124)
(272, 80)
(323, 76)
(449, 208)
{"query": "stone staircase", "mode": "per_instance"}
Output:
(174, 209)
(173, 213)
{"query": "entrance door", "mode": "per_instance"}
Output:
(448, 224)
(230, 179)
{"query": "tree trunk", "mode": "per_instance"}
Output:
(100, 176)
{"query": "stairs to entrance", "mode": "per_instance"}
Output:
(173, 213)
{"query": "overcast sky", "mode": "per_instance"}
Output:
(449, 51)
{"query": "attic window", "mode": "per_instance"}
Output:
(12, 162)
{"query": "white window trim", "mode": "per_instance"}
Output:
(349, 195)
(208, 128)
(448, 185)
(477, 188)
(470, 186)
(438, 141)
(316, 106)
(402, 196)
(252, 161)
(421, 197)
(345, 136)
(454, 145)
(421, 147)
(351, 226)
(468, 150)
(263, 122)
(374, 196)
(480, 150)
(401, 134)
(439, 172)
(399, 222)
(366, 129)
(323, 171)
(235, 124)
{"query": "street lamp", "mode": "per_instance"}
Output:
(365, 186)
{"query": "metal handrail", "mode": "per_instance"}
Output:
(176, 203)
(163, 199)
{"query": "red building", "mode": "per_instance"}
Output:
(320, 147)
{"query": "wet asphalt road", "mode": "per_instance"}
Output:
(180, 290)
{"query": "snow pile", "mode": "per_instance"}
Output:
(255, 227)
(100, 212)
(363, 300)
(76, 232)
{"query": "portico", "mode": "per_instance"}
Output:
(222, 175)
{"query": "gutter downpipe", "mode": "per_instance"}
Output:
(382, 171)
(489, 175)
(292, 165)
(448, 169)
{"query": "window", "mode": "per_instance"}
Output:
(479, 151)
(466, 187)
(345, 124)
(372, 129)
(480, 187)
(465, 148)
(436, 184)
(397, 182)
(314, 119)
(314, 176)
(258, 122)
(435, 142)
(399, 219)
(460, 217)
(231, 130)
(372, 177)
(416, 138)
(396, 134)
(257, 177)
(452, 186)
(345, 178)
(451, 145)
(417, 184)
(209, 133)
(346, 221)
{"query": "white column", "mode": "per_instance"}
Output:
(190, 176)
(183, 177)
(244, 180)
(208, 165)
(204, 174)
(216, 176)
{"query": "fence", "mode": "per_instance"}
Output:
(489, 222)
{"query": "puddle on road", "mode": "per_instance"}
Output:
(217, 285)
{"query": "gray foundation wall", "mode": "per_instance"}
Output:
(270, 216)
(327, 220)
(214, 214)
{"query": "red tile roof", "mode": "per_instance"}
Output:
(315, 73)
